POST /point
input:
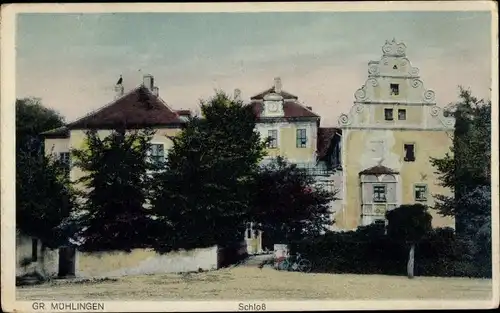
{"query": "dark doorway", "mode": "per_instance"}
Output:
(272, 237)
(267, 242)
(67, 262)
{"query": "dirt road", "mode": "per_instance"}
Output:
(247, 283)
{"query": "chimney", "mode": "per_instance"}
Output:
(148, 81)
(118, 91)
(156, 91)
(277, 85)
(237, 94)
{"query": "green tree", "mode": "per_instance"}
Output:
(468, 165)
(114, 191)
(287, 205)
(409, 223)
(203, 196)
(44, 197)
(32, 118)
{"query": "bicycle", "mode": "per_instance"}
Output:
(295, 263)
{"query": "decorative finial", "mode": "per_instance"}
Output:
(392, 48)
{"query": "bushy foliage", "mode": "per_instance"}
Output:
(287, 205)
(114, 189)
(203, 197)
(44, 197)
(408, 223)
(468, 165)
(369, 251)
(33, 118)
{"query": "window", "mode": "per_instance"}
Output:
(379, 192)
(388, 114)
(420, 192)
(394, 89)
(401, 114)
(273, 138)
(409, 152)
(64, 158)
(34, 249)
(301, 138)
(157, 154)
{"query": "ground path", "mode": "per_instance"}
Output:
(248, 282)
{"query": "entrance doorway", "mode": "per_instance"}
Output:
(67, 262)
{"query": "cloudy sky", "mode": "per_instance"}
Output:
(72, 61)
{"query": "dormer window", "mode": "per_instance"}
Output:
(273, 104)
(394, 89)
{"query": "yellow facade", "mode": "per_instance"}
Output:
(77, 140)
(392, 110)
(287, 144)
(428, 144)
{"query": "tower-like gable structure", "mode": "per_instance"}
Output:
(388, 137)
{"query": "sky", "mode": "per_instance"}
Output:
(72, 61)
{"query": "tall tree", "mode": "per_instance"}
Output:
(287, 204)
(32, 118)
(468, 165)
(114, 191)
(43, 195)
(409, 223)
(203, 196)
(44, 198)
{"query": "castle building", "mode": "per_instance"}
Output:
(295, 134)
(388, 138)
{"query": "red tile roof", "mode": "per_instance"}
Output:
(325, 135)
(292, 109)
(378, 170)
(136, 109)
(57, 132)
(284, 94)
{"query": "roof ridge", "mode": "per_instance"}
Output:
(272, 89)
(165, 104)
(49, 131)
(104, 106)
(296, 101)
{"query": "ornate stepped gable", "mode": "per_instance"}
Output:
(394, 64)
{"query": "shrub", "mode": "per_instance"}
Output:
(369, 251)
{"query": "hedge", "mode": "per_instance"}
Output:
(369, 251)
